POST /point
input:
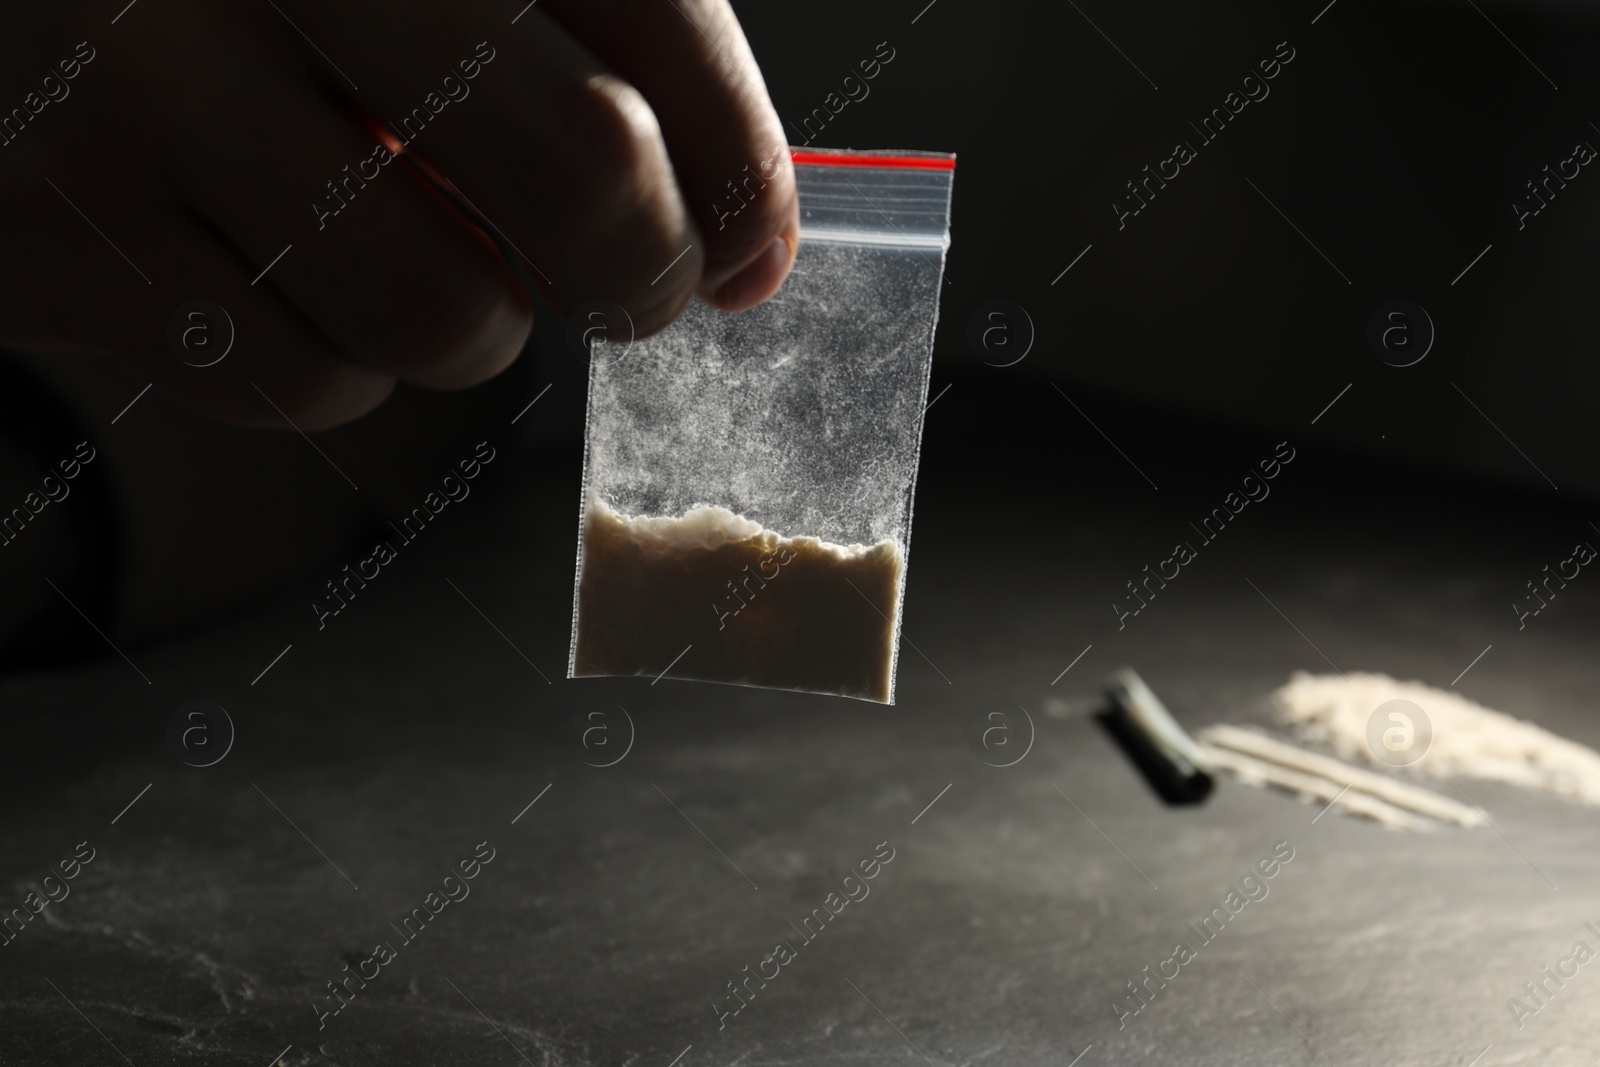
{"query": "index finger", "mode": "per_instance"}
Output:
(691, 61)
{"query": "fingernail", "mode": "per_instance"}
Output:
(760, 279)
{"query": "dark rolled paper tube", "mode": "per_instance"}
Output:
(1168, 757)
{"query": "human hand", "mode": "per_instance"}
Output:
(183, 145)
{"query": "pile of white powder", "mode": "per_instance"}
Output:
(1469, 740)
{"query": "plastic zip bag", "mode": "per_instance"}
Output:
(748, 479)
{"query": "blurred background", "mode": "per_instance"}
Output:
(1164, 357)
(1383, 165)
(1395, 143)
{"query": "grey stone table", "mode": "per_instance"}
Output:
(431, 721)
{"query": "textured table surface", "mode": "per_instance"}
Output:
(377, 754)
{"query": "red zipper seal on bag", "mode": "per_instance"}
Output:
(823, 159)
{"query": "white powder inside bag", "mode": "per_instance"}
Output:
(702, 527)
(1469, 740)
(720, 598)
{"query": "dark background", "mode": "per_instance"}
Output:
(1396, 140)
(1196, 339)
